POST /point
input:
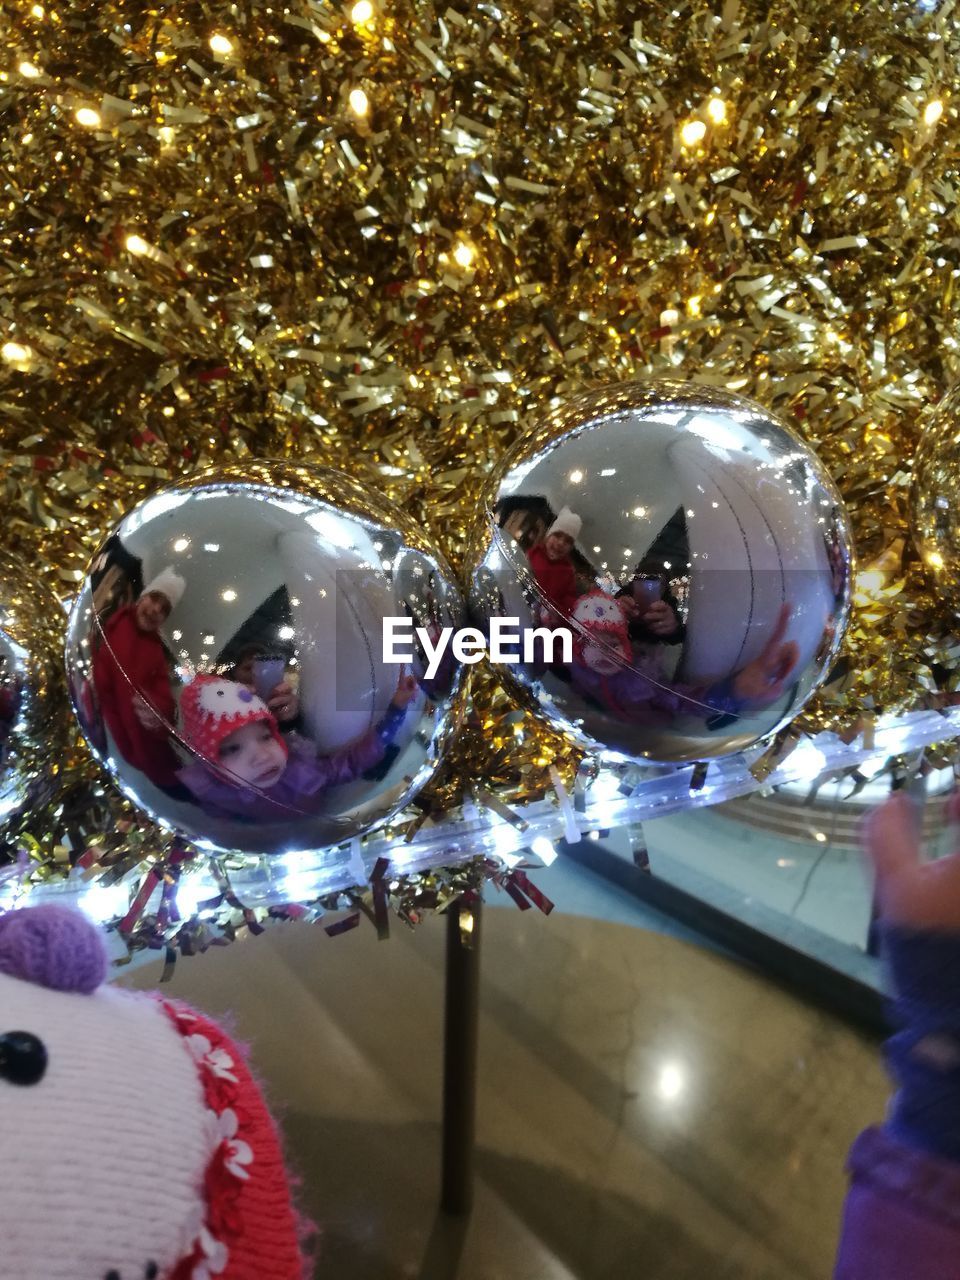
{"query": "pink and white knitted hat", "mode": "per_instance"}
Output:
(130, 1122)
(212, 708)
(601, 621)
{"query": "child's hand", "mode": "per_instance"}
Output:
(406, 692)
(763, 680)
(912, 893)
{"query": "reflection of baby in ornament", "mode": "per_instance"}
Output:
(607, 670)
(246, 769)
(628, 682)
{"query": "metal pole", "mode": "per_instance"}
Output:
(460, 1054)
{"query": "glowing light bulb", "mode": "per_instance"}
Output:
(37, 11)
(168, 135)
(15, 353)
(361, 13)
(463, 255)
(932, 111)
(359, 102)
(86, 116)
(220, 44)
(934, 558)
(693, 305)
(229, 595)
(693, 132)
(671, 1081)
(181, 544)
(576, 477)
(29, 70)
(137, 244)
(545, 850)
(717, 110)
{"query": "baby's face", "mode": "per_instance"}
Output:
(600, 660)
(252, 754)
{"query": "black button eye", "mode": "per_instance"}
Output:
(23, 1057)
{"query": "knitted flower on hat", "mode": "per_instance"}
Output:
(601, 630)
(134, 1142)
(212, 708)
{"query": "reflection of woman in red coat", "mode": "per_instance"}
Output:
(552, 566)
(132, 681)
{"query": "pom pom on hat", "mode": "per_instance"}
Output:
(566, 522)
(54, 947)
(169, 584)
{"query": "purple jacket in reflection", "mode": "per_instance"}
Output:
(639, 694)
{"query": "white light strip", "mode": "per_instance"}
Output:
(270, 881)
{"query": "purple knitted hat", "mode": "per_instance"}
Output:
(54, 947)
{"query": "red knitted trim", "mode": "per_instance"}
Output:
(249, 1230)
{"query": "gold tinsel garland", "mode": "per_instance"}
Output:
(384, 238)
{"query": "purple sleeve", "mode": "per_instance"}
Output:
(349, 762)
(924, 1054)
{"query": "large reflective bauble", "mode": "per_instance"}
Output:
(34, 717)
(689, 551)
(228, 664)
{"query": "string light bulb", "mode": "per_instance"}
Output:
(136, 244)
(15, 353)
(86, 116)
(932, 112)
(359, 102)
(28, 70)
(717, 110)
(361, 13)
(463, 255)
(693, 132)
(221, 44)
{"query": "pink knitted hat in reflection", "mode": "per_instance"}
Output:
(212, 708)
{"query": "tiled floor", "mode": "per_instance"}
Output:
(647, 1107)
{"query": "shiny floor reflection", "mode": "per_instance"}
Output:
(647, 1107)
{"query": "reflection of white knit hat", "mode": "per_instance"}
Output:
(169, 584)
(566, 522)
